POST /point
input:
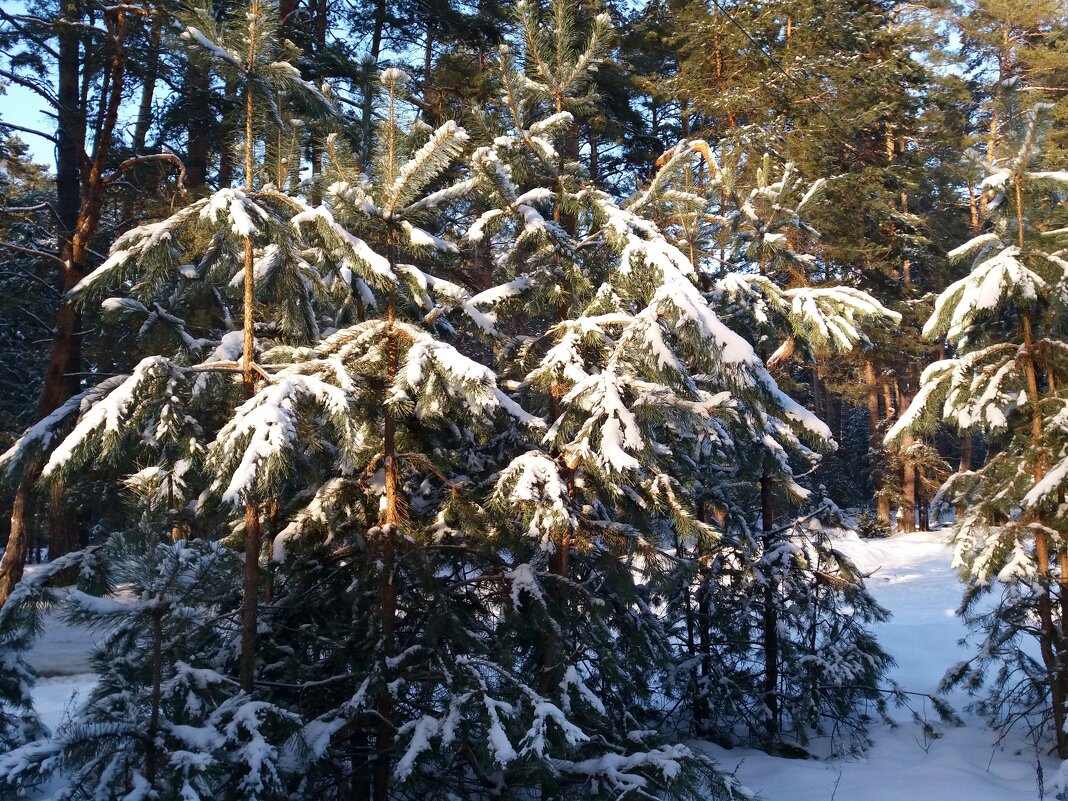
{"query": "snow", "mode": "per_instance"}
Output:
(429, 160)
(524, 579)
(533, 481)
(910, 574)
(548, 124)
(229, 349)
(477, 231)
(616, 770)
(418, 238)
(264, 430)
(378, 264)
(993, 278)
(41, 434)
(422, 730)
(111, 412)
(196, 35)
(239, 208)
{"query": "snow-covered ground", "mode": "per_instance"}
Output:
(61, 658)
(911, 576)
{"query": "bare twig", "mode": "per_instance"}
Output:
(33, 252)
(170, 158)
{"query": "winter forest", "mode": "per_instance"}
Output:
(533, 399)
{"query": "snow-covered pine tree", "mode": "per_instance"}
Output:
(1003, 324)
(166, 718)
(632, 370)
(796, 606)
(361, 433)
(184, 280)
(20, 623)
(378, 549)
(531, 695)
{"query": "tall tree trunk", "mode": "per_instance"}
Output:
(967, 448)
(1048, 636)
(14, 560)
(199, 122)
(152, 754)
(227, 164)
(390, 521)
(817, 396)
(320, 24)
(770, 631)
(144, 106)
(377, 31)
(875, 445)
(80, 200)
(1051, 642)
(923, 504)
(906, 521)
(148, 85)
(253, 533)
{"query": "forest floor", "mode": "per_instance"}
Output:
(910, 575)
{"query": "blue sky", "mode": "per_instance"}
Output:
(20, 106)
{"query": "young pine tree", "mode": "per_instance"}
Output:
(790, 612)
(1004, 379)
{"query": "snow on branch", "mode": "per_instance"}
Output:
(255, 447)
(445, 144)
(39, 437)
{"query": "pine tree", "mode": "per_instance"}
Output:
(639, 369)
(747, 592)
(1003, 380)
(20, 624)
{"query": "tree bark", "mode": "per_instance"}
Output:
(1051, 642)
(906, 521)
(771, 617)
(253, 533)
(875, 445)
(14, 560)
(80, 199)
(967, 448)
(151, 749)
(200, 121)
(148, 85)
(369, 90)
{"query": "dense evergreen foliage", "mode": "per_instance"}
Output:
(452, 401)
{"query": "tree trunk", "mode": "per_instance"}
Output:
(1048, 635)
(875, 445)
(227, 164)
(817, 396)
(906, 520)
(148, 86)
(64, 536)
(80, 200)
(200, 121)
(253, 532)
(14, 560)
(923, 504)
(151, 748)
(967, 447)
(771, 617)
(287, 10)
(389, 529)
(369, 90)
